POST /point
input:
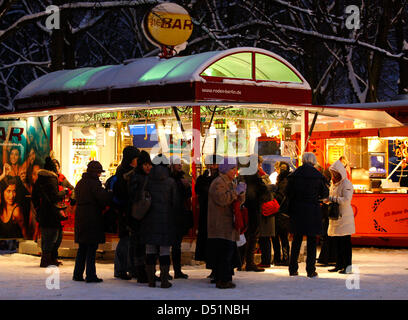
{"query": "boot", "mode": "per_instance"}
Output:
(46, 260)
(141, 274)
(176, 257)
(54, 258)
(164, 271)
(150, 270)
(164, 276)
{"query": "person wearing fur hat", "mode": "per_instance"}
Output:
(341, 192)
(91, 199)
(45, 197)
(120, 201)
(222, 235)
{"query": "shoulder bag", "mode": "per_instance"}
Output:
(140, 207)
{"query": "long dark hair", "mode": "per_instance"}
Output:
(4, 184)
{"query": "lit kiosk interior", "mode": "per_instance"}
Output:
(204, 98)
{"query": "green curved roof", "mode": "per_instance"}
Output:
(235, 63)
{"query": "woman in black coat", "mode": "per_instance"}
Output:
(201, 188)
(183, 214)
(158, 227)
(306, 187)
(45, 199)
(281, 224)
(91, 199)
(256, 194)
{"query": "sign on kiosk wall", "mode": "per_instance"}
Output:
(24, 146)
(382, 215)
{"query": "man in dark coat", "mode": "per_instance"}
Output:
(201, 188)
(91, 199)
(123, 262)
(158, 227)
(45, 198)
(306, 187)
(183, 213)
(137, 250)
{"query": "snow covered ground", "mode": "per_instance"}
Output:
(382, 275)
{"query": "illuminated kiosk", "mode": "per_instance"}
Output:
(241, 78)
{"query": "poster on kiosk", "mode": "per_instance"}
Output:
(24, 144)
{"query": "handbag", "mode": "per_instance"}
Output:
(140, 207)
(334, 211)
(61, 209)
(270, 208)
(240, 216)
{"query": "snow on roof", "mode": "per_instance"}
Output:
(140, 72)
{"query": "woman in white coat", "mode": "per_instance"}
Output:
(341, 191)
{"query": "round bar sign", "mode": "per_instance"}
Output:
(168, 24)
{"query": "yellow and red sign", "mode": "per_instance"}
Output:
(168, 24)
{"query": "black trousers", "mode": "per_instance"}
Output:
(176, 255)
(86, 256)
(136, 253)
(251, 236)
(266, 250)
(295, 250)
(343, 251)
(280, 244)
(222, 259)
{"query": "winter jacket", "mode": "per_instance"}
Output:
(342, 192)
(306, 186)
(45, 197)
(121, 194)
(201, 188)
(256, 194)
(91, 199)
(220, 222)
(158, 227)
(183, 195)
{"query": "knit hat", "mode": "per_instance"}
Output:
(94, 167)
(143, 158)
(227, 164)
(129, 153)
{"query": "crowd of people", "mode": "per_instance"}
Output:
(303, 196)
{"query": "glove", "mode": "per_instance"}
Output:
(240, 188)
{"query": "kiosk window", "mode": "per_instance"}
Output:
(237, 66)
(268, 68)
